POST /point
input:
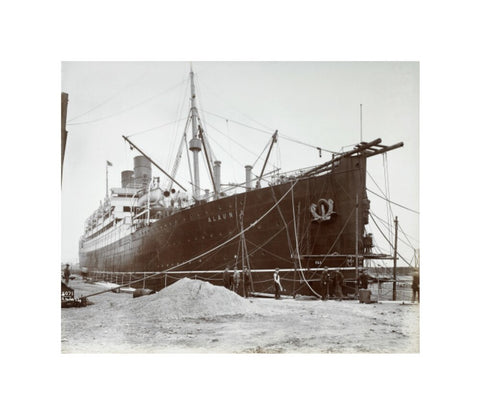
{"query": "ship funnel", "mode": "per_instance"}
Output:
(216, 175)
(142, 171)
(248, 177)
(127, 178)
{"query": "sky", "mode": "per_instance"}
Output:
(241, 104)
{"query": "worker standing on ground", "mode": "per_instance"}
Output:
(66, 273)
(338, 285)
(363, 280)
(236, 279)
(324, 281)
(276, 282)
(246, 281)
(416, 286)
(227, 278)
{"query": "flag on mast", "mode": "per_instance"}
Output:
(109, 164)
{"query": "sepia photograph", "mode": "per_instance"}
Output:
(240, 207)
(234, 202)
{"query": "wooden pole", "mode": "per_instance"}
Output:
(356, 245)
(153, 162)
(394, 292)
(63, 131)
(274, 139)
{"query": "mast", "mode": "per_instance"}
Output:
(361, 124)
(195, 144)
(202, 140)
(274, 139)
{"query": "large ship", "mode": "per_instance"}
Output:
(299, 222)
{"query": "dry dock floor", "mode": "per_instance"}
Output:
(115, 324)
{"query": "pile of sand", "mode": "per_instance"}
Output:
(189, 298)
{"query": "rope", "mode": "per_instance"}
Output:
(306, 144)
(298, 251)
(260, 155)
(107, 100)
(399, 238)
(235, 159)
(235, 141)
(284, 222)
(126, 109)
(208, 251)
(390, 201)
(237, 122)
(405, 234)
(157, 127)
(180, 110)
(283, 136)
(387, 195)
(388, 241)
(233, 106)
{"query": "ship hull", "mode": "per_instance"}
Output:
(281, 229)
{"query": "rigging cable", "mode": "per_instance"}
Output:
(305, 143)
(260, 155)
(393, 202)
(298, 250)
(202, 122)
(239, 123)
(387, 194)
(108, 99)
(281, 135)
(408, 240)
(230, 149)
(180, 108)
(383, 234)
(234, 108)
(156, 127)
(128, 108)
(284, 136)
(236, 142)
(226, 152)
(408, 244)
(251, 225)
(179, 155)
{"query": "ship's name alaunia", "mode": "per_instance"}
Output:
(220, 217)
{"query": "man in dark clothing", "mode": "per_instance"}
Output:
(66, 273)
(246, 281)
(324, 281)
(338, 285)
(227, 278)
(236, 279)
(363, 280)
(416, 286)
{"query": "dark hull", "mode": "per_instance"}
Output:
(271, 243)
